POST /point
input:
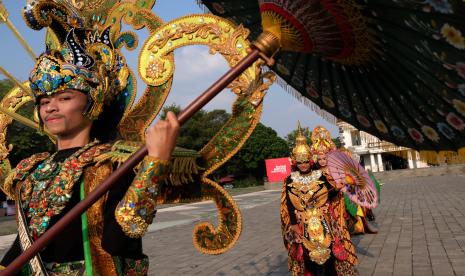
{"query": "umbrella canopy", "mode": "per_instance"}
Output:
(395, 69)
(358, 185)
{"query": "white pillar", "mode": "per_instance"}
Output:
(420, 163)
(416, 159)
(410, 160)
(374, 168)
(380, 163)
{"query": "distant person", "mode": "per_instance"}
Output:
(314, 232)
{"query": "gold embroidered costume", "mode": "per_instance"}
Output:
(86, 58)
(312, 223)
(133, 213)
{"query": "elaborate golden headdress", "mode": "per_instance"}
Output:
(78, 56)
(321, 141)
(301, 152)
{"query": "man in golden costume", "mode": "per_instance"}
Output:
(79, 90)
(312, 216)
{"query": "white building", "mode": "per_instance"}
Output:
(375, 154)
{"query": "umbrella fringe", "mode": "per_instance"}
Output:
(291, 90)
(313, 106)
(444, 157)
(435, 157)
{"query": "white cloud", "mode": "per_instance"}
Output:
(195, 63)
(196, 70)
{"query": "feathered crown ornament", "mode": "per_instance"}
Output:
(301, 153)
(78, 56)
(321, 141)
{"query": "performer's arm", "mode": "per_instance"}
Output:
(284, 209)
(292, 229)
(291, 208)
(136, 210)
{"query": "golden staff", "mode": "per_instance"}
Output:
(4, 19)
(23, 120)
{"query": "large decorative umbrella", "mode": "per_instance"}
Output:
(356, 182)
(395, 69)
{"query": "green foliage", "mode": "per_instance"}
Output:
(264, 143)
(337, 142)
(25, 141)
(5, 86)
(248, 165)
(290, 137)
(198, 130)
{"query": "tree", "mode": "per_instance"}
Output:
(5, 86)
(25, 141)
(198, 130)
(290, 137)
(337, 142)
(264, 143)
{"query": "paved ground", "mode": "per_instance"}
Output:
(421, 222)
(422, 229)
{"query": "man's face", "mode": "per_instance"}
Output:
(303, 167)
(62, 113)
(322, 159)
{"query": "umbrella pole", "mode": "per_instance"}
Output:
(127, 166)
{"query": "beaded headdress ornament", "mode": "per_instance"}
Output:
(80, 58)
(301, 152)
(321, 141)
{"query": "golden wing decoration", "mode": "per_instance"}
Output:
(156, 68)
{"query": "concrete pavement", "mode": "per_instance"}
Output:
(421, 232)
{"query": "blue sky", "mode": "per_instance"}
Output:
(195, 70)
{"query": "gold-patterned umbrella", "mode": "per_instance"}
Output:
(395, 69)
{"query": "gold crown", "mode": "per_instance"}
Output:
(301, 151)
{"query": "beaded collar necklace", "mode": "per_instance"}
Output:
(47, 190)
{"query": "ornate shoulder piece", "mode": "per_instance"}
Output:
(20, 172)
(94, 153)
(294, 175)
(24, 166)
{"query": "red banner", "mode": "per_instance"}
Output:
(278, 169)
